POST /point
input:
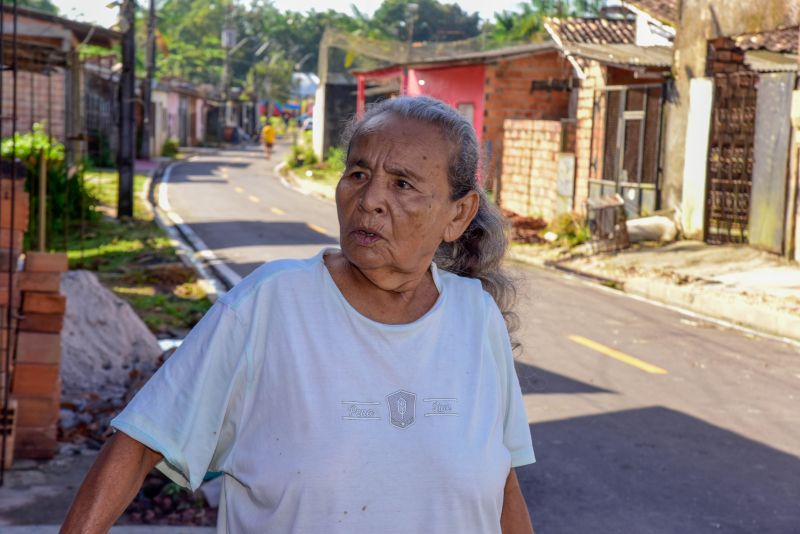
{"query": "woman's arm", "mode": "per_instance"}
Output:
(110, 485)
(514, 518)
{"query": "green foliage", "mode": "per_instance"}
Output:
(336, 158)
(42, 5)
(170, 147)
(528, 25)
(68, 201)
(279, 125)
(571, 229)
(302, 153)
(434, 21)
(135, 259)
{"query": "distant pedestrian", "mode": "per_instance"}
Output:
(369, 389)
(268, 138)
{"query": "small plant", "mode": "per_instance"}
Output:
(336, 158)
(68, 201)
(571, 229)
(170, 148)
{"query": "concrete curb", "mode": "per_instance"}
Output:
(217, 277)
(725, 309)
(291, 181)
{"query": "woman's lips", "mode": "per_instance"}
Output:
(365, 238)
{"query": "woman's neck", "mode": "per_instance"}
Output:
(391, 298)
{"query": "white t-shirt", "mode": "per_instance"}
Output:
(326, 421)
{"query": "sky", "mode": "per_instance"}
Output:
(95, 11)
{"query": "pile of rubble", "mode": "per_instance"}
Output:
(107, 356)
(525, 229)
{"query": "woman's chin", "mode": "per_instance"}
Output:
(365, 257)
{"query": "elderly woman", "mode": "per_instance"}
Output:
(369, 389)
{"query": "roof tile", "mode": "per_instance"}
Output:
(593, 30)
(781, 40)
(663, 10)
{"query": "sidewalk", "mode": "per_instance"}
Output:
(738, 284)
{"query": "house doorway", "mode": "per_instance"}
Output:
(631, 153)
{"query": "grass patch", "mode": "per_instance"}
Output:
(324, 173)
(135, 260)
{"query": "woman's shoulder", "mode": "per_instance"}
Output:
(265, 280)
(466, 291)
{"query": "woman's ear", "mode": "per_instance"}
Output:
(464, 210)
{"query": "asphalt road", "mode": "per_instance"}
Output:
(644, 420)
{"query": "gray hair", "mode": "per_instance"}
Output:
(479, 252)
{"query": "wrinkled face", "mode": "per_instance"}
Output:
(393, 199)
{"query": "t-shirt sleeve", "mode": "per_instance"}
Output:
(188, 410)
(516, 429)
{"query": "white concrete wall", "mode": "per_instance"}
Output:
(701, 92)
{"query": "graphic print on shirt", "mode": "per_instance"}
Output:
(402, 408)
(437, 407)
(355, 410)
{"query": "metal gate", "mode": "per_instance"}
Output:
(631, 152)
(730, 158)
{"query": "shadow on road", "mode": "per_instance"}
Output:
(199, 168)
(655, 470)
(229, 234)
(534, 379)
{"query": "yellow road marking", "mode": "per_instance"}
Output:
(617, 355)
(254, 199)
(238, 189)
(316, 228)
(277, 211)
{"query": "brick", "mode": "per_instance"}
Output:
(5, 243)
(20, 220)
(46, 282)
(41, 322)
(45, 262)
(36, 443)
(46, 303)
(35, 379)
(37, 347)
(37, 411)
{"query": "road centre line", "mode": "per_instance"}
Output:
(277, 211)
(254, 199)
(238, 189)
(318, 229)
(617, 355)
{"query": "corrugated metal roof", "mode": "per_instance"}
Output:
(766, 61)
(623, 54)
(473, 57)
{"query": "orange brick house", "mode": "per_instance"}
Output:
(561, 120)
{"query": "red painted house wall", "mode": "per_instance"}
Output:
(453, 85)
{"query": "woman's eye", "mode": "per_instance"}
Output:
(358, 175)
(402, 184)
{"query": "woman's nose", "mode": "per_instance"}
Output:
(373, 195)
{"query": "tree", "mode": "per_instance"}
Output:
(434, 21)
(512, 26)
(42, 5)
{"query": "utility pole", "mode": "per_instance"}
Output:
(411, 14)
(150, 62)
(228, 43)
(126, 154)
